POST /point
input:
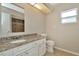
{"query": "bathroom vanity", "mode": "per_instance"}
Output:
(30, 45)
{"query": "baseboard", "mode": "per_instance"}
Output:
(67, 51)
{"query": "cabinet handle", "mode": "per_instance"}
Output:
(26, 53)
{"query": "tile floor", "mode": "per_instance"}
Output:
(58, 53)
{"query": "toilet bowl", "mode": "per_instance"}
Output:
(50, 45)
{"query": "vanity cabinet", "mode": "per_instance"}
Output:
(35, 48)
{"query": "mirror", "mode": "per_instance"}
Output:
(12, 18)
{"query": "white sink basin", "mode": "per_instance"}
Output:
(18, 41)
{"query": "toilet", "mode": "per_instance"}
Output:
(50, 45)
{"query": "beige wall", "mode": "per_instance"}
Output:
(66, 36)
(35, 21)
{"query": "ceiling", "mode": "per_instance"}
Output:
(49, 7)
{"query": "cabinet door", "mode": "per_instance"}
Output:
(42, 48)
(25, 53)
(33, 51)
(7, 53)
(36, 51)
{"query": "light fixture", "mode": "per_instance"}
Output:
(36, 5)
(40, 6)
(32, 3)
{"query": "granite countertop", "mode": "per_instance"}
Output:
(6, 45)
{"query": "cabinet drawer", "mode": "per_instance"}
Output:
(22, 54)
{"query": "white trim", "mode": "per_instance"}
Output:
(14, 7)
(67, 51)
